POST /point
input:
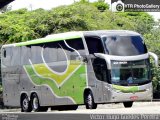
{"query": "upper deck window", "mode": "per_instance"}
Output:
(94, 45)
(124, 45)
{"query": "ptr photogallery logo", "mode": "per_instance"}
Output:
(117, 5)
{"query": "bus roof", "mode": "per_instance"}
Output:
(111, 33)
(75, 34)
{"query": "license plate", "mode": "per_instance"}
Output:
(133, 98)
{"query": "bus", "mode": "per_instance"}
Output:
(65, 70)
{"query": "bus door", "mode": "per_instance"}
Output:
(102, 78)
(105, 81)
(98, 79)
(95, 45)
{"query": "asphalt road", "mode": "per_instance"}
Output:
(137, 108)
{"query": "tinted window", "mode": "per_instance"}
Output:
(94, 45)
(100, 69)
(76, 43)
(75, 47)
(130, 72)
(62, 51)
(124, 45)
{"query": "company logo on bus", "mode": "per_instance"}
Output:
(133, 98)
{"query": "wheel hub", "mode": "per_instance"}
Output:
(35, 103)
(89, 100)
(25, 104)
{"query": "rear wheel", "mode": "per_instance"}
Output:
(128, 104)
(35, 104)
(25, 104)
(89, 101)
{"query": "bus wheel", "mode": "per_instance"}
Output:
(128, 104)
(89, 101)
(35, 104)
(25, 104)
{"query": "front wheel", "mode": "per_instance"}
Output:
(89, 101)
(35, 104)
(128, 104)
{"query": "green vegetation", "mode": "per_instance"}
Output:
(152, 40)
(22, 25)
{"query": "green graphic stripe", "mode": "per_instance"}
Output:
(126, 89)
(42, 70)
(73, 87)
(45, 40)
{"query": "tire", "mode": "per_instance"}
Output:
(89, 101)
(128, 104)
(25, 104)
(35, 104)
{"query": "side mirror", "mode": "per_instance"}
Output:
(103, 56)
(155, 57)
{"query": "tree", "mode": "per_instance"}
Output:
(101, 5)
(22, 25)
(143, 21)
(152, 40)
(84, 1)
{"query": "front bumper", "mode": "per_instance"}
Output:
(145, 93)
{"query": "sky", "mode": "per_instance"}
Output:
(48, 4)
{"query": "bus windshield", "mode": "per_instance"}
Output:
(130, 73)
(124, 45)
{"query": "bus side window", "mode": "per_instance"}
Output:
(94, 45)
(76, 45)
(61, 52)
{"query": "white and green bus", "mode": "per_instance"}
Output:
(76, 68)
